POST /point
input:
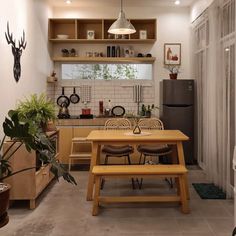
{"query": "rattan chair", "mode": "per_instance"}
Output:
(117, 151)
(148, 150)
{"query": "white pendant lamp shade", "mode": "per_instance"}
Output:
(121, 25)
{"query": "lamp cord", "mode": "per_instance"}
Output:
(121, 5)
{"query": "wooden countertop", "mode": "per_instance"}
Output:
(81, 122)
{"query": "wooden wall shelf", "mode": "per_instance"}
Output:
(95, 41)
(106, 59)
(76, 29)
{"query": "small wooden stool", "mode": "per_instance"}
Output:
(78, 155)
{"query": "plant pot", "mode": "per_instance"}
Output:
(4, 204)
(173, 76)
(148, 114)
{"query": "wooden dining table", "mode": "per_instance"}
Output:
(126, 137)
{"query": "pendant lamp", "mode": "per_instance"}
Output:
(121, 25)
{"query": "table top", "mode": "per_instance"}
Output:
(122, 135)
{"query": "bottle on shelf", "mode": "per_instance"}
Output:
(100, 108)
(117, 51)
(108, 51)
(108, 109)
(113, 51)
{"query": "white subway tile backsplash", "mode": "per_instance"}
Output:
(120, 93)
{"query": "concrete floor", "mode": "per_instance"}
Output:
(63, 211)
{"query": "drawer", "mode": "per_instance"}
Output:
(42, 178)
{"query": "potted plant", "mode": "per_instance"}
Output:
(36, 110)
(19, 133)
(147, 110)
(173, 71)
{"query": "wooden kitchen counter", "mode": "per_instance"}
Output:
(82, 122)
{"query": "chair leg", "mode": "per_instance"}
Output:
(141, 181)
(140, 158)
(106, 160)
(144, 159)
(128, 158)
(133, 181)
(169, 181)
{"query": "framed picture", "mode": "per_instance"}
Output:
(142, 34)
(90, 34)
(172, 53)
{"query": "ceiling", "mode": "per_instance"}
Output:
(92, 3)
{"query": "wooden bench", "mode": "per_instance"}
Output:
(177, 171)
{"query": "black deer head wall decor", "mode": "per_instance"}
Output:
(16, 51)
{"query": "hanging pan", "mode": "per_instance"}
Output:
(63, 99)
(74, 98)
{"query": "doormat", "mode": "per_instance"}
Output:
(209, 191)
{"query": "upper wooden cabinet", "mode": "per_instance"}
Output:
(77, 31)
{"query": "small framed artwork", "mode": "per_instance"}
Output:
(90, 34)
(142, 34)
(172, 53)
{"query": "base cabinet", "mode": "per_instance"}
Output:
(29, 184)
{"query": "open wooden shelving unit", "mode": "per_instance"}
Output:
(77, 29)
(106, 59)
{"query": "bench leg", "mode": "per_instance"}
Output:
(186, 186)
(96, 195)
(183, 195)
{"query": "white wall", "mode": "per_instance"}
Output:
(172, 27)
(198, 8)
(32, 16)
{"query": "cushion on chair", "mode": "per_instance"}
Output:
(118, 150)
(154, 150)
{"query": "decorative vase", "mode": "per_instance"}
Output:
(4, 203)
(173, 76)
(136, 129)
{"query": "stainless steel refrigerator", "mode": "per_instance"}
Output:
(177, 111)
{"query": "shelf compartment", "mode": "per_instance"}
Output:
(107, 24)
(84, 25)
(62, 26)
(148, 24)
(106, 59)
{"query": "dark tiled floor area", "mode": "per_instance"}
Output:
(63, 211)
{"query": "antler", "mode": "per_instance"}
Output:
(9, 37)
(22, 42)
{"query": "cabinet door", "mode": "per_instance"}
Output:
(65, 138)
(22, 184)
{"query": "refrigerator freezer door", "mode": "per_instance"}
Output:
(177, 92)
(181, 118)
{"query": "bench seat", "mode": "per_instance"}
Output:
(176, 171)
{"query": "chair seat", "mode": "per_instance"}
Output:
(117, 150)
(154, 150)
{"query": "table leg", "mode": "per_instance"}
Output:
(180, 151)
(174, 154)
(94, 160)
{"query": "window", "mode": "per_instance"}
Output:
(106, 71)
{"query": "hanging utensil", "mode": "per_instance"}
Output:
(63, 99)
(137, 95)
(74, 98)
